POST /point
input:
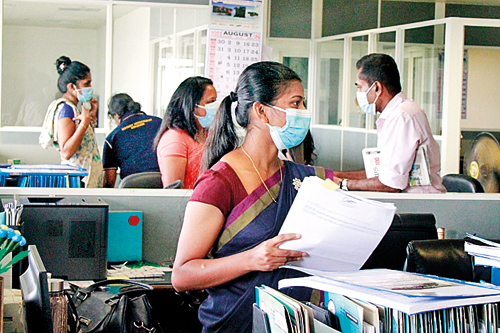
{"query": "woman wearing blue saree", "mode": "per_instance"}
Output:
(229, 241)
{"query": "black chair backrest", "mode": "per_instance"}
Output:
(391, 251)
(441, 257)
(462, 183)
(142, 180)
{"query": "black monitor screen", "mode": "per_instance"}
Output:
(35, 290)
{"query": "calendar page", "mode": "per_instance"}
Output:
(234, 41)
(230, 52)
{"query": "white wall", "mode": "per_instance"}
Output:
(131, 56)
(483, 109)
(29, 72)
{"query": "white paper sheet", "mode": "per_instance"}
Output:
(339, 229)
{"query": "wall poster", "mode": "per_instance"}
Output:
(234, 41)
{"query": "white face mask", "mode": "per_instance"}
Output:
(362, 98)
(298, 122)
(209, 117)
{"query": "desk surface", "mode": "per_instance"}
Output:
(164, 282)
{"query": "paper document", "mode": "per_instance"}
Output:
(371, 159)
(339, 229)
(419, 174)
(486, 253)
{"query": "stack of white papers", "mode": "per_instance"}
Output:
(487, 253)
(339, 230)
(407, 292)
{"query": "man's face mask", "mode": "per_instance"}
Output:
(362, 98)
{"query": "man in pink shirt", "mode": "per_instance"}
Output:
(401, 128)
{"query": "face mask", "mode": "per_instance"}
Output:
(295, 130)
(361, 97)
(211, 110)
(85, 95)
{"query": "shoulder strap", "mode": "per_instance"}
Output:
(48, 135)
(128, 283)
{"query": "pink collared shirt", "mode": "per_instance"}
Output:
(401, 129)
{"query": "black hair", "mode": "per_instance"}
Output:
(122, 104)
(380, 67)
(261, 82)
(308, 151)
(69, 72)
(179, 113)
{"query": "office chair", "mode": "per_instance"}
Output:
(147, 180)
(462, 183)
(441, 257)
(391, 251)
(142, 180)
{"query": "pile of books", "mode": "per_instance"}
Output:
(381, 300)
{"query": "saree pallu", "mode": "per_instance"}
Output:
(257, 218)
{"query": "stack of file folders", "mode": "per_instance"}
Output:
(485, 252)
(275, 312)
(46, 175)
(386, 301)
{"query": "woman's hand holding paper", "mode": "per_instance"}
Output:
(267, 256)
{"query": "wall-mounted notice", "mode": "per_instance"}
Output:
(234, 41)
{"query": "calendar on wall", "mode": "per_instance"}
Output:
(234, 41)
(230, 52)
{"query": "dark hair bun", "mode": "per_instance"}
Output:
(62, 63)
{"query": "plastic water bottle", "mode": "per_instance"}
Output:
(59, 305)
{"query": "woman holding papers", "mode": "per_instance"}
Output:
(229, 243)
(70, 121)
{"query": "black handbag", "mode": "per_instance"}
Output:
(114, 306)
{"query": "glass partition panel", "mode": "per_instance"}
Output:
(177, 54)
(359, 48)
(202, 53)
(166, 81)
(422, 75)
(330, 71)
(300, 66)
(131, 53)
(35, 34)
(480, 82)
(386, 43)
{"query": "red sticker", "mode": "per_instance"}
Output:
(133, 220)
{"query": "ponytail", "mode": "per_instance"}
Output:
(222, 136)
(260, 82)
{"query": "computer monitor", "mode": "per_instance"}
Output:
(35, 290)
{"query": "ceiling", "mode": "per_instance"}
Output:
(66, 15)
(92, 16)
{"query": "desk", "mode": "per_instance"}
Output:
(164, 283)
